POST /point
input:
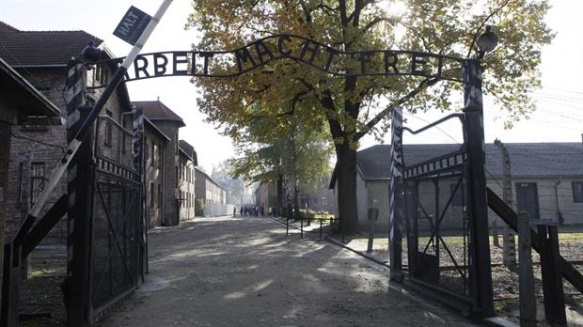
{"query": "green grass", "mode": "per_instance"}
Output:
(571, 237)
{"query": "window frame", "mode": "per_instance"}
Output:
(577, 187)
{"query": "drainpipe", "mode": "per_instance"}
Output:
(558, 197)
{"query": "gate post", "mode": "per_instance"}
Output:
(396, 197)
(481, 272)
(76, 284)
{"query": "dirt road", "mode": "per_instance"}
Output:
(247, 272)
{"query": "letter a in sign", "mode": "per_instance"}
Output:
(132, 25)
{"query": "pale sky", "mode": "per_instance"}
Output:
(559, 117)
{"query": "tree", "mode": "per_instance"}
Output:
(351, 105)
(293, 158)
(235, 187)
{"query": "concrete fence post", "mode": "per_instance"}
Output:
(526, 277)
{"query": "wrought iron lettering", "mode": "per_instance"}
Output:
(160, 62)
(180, 59)
(296, 48)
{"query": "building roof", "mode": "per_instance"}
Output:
(527, 159)
(157, 111)
(19, 92)
(188, 151)
(207, 177)
(42, 48)
(152, 127)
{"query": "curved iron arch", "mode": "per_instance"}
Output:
(200, 63)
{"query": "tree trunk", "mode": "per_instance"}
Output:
(346, 179)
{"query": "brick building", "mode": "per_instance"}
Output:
(266, 197)
(186, 180)
(162, 159)
(18, 100)
(157, 140)
(40, 141)
(169, 185)
(210, 194)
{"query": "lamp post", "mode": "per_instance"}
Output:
(481, 273)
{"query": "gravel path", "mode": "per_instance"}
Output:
(246, 272)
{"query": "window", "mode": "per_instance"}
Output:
(577, 192)
(108, 128)
(20, 183)
(102, 74)
(155, 155)
(37, 180)
(36, 123)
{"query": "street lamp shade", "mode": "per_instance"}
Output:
(91, 53)
(487, 41)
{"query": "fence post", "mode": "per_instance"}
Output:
(554, 295)
(526, 276)
(10, 285)
(495, 233)
(301, 227)
(508, 243)
(373, 215)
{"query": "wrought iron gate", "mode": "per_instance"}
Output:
(116, 227)
(107, 234)
(438, 227)
(435, 203)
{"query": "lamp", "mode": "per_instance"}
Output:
(91, 53)
(486, 42)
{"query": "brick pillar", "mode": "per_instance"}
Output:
(76, 284)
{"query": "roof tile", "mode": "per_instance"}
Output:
(42, 48)
(156, 110)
